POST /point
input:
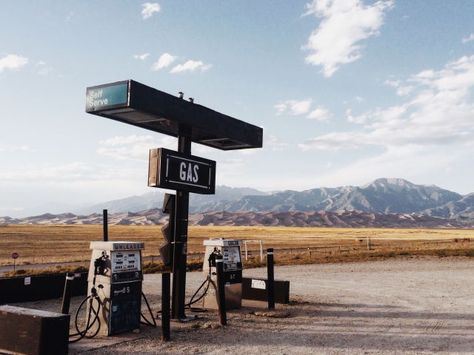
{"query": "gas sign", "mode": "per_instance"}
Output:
(177, 171)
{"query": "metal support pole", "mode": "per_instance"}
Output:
(67, 294)
(105, 225)
(181, 235)
(270, 279)
(246, 251)
(221, 290)
(165, 306)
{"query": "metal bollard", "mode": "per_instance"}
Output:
(165, 306)
(221, 290)
(270, 279)
(67, 294)
(105, 225)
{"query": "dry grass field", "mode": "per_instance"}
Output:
(44, 244)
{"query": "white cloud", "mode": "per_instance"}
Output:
(76, 180)
(358, 119)
(438, 111)
(14, 148)
(273, 143)
(402, 90)
(12, 62)
(468, 38)
(319, 114)
(150, 8)
(293, 107)
(164, 61)
(333, 141)
(190, 66)
(133, 147)
(344, 24)
(67, 172)
(141, 56)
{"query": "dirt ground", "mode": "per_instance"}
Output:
(411, 305)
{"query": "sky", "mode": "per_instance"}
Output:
(346, 91)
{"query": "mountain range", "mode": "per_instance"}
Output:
(383, 202)
(380, 196)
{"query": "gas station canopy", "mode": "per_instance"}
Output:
(140, 105)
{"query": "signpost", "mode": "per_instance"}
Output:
(142, 106)
(14, 257)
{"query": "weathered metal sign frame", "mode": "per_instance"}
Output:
(177, 171)
(108, 96)
(158, 111)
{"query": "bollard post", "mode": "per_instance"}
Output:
(165, 306)
(221, 290)
(270, 279)
(105, 225)
(67, 294)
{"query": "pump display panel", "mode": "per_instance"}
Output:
(126, 261)
(231, 258)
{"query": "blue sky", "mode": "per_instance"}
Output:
(346, 90)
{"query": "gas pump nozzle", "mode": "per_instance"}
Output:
(100, 264)
(212, 260)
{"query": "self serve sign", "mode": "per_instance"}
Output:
(177, 171)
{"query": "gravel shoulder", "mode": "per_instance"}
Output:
(403, 305)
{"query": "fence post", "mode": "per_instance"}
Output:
(67, 294)
(270, 279)
(221, 290)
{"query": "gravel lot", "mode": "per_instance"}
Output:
(409, 305)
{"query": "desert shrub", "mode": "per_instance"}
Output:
(469, 253)
(442, 253)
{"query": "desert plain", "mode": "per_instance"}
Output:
(352, 291)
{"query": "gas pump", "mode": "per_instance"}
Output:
(115, 280)
(232, 265)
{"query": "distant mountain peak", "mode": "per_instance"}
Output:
(390, 181)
